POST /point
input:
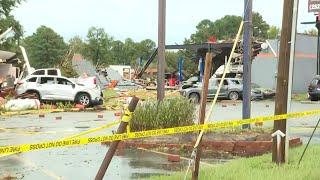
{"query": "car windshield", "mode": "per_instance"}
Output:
(192, 79)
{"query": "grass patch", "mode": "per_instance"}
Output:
(300, 97)
(261, 167)
(171, 112)
(110, 99)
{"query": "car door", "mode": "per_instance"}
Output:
(46, 87)
(224, 88)
(212, 88)
(64, 89)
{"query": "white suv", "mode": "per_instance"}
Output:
(59, 88)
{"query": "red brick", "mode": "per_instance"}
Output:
(173, 158)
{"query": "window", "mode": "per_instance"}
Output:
(39, 72)
(315, 82)
(225, 82)
(63, 81)
(47, 80)
(53, 72)
(34, 79)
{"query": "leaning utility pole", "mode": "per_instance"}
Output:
(202, 111)
(247, 56)
(161, 49)
(282, 79)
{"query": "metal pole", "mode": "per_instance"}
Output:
(161, 50)
(304, 151)
(247, 55)
(291, 66)
(282, 78)
(202, 111)
(113, 147)
(318, 43)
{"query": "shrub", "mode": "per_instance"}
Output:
(171, 112)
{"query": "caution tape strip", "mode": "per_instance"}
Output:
(149, 133)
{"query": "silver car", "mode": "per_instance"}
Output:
(231, 89)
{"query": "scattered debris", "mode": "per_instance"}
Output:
(22, 104)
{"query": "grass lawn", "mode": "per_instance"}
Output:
(300, 97)
(260, 167)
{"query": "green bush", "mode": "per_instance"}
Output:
(170, 112)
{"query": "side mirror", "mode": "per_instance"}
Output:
(73, 86)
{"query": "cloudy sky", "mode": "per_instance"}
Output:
(137, 19)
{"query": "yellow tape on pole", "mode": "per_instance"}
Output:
(149, 133)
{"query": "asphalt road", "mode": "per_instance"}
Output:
(82, 162)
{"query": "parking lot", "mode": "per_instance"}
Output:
(82, 162)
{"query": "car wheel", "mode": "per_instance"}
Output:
(194, 97)
(83, 99)
(313, 98)
(233, 95)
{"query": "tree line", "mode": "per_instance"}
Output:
(46, 48)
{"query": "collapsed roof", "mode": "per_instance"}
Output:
(8, 57)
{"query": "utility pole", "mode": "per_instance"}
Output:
(282, 79)
(161, 49)
(202, 111)
(247, 55)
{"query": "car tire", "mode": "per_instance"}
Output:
(313, 98)
(194, 97)
(83, 99)
(233, 95)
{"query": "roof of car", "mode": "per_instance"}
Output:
(47, 76)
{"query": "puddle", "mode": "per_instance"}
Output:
(82, 127)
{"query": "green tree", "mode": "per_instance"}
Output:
(273, 32)
(6, 6)
(227, 27)
(45, 48)
(6, 21)
(77, 44)
(260, 26)
(98, 47)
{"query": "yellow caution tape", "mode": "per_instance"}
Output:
(149, 133)
(127, 116)
(93, 130)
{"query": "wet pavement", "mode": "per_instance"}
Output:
(82, 162)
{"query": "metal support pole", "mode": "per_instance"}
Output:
(304, 151)
(282, 78)
(202, 111)
(318, 45)
(161, 50)
(247, 55)
(113, 147)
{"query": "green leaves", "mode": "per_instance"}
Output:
(6, 6)
(170, 112)
(45, 48)
(103, 50)
(226, 28)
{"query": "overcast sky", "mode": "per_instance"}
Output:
(137, 19)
